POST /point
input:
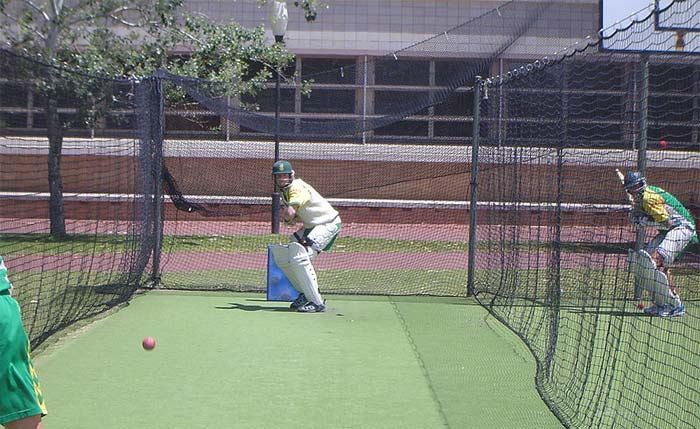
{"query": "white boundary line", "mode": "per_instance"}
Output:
(339, 202)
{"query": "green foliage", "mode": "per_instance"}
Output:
(227, 54)
(133, 39)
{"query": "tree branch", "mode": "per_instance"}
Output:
(106, 14)
(124, 22)
(15, 19)
(37, 9)
(187, 35)
(57, 6)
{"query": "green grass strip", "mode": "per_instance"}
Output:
(238, 359)
(81, 244)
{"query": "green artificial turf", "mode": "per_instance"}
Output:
(236, 360)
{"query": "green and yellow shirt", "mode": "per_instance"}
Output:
(310, 206)
(663, 207)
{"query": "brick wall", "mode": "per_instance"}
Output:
(354, 180)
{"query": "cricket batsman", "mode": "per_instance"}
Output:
(656, 208)
(320, 227)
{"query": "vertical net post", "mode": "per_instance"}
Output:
(642, 146)
(474, 184)
(643, 114)
(275, 228)
(150, 125)
(554, 293)
(157, 139)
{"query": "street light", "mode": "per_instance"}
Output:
(278, 21)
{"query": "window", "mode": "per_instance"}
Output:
(329, 101)
(457, 104)
(597, 75)
(535, 76)
(672, 77)
(601, 107)
(457, 73)
(392, 102)
(402, 72)
(329, 70)
(13, 120)
(266, 100)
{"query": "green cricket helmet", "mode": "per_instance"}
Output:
(634, 182)
(282, 167)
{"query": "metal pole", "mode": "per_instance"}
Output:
(554, 283)
(158, 135)
(364, 103)
(643, 124)
(642, 147)
(643, 113)
(276, 191)
(474, 183)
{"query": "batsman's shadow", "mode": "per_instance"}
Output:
(249, 307)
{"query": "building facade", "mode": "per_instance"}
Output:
(367, 57)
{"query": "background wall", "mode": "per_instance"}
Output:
(379, 27)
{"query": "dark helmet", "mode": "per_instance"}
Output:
(282, 167)
(634, 181)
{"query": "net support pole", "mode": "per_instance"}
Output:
(643, 114)
(364, 102)
(157, 133)
(554, 284)
(473, 186)
(642, 145)
(276, 192)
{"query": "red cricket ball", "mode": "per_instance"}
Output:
(148, 343)
(663, 143)
(640, 306)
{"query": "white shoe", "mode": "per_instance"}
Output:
(670, 311)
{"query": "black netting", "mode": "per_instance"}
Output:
(554, 231)
(78, 242)
(550, 255)
(485, 38)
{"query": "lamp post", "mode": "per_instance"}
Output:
(278, 21)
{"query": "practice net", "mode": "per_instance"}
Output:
(552, 232)
(555, 232)
(91, 253)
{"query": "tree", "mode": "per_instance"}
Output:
(130, 38)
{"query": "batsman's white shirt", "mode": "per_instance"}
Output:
(310, 206)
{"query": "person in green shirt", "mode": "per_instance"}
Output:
(320, 227)
(21, 401)
(656, 208)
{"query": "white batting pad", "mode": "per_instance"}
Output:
(648, 278)
(303, 273)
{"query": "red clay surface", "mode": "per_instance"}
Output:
(191, 261)
(448, 232)
(184, 262)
